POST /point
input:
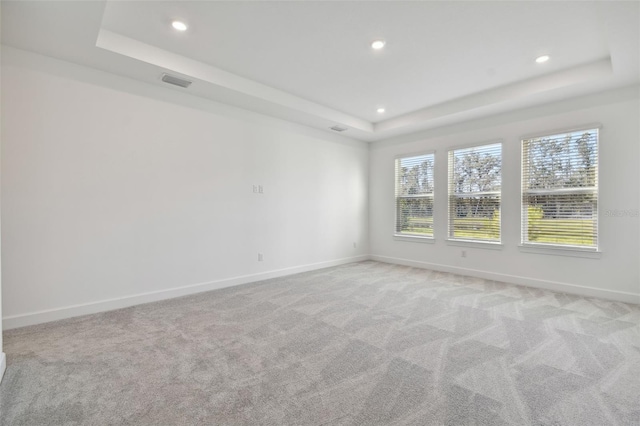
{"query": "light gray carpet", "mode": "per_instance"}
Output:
(361, 344)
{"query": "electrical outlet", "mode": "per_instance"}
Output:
(463, 253)
(255, 189)
(260, 257)
(354, 245)
(260, 189)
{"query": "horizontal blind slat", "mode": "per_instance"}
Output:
(560, 189)
(414, 186)
(475, 178)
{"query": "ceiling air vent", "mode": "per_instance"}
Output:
(177, 81)
(338, 128)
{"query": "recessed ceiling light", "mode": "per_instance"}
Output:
(378, 44)
(179, 25)
(541, 59)
(380, 110)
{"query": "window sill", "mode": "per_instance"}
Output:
(414, 239)
(560, 251)
(490, 245)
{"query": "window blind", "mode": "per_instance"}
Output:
(475, 177)
(414, 195)
(560, 190)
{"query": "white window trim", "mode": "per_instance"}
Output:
(414, 238)
(411, 237)
(475, 144)
(414, 154)
(496, 245)
(562, 250)
(489, 245)
(547, 133)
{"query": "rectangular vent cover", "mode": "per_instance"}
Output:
(177, 81)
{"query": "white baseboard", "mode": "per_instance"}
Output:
(32, 318)
(619, 296)
(22, 320)
(3, 364)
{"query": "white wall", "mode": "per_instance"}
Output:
(115, 192)
(113, 188)
(3, 358)
(613, 275)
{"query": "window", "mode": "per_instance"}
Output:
(414, 195)
(560, 190)
(474, 193)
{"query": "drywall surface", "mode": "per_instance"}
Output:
(3, 362)
(115, 189)
(612, 273)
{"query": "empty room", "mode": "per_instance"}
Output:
(320, 213)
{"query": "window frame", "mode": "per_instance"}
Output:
(554, 248)
(472, 242)
(399, 236)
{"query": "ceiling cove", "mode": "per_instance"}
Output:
(376, 69)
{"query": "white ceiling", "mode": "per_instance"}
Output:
(311, 62)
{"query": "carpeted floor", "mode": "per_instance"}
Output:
(361, 344)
